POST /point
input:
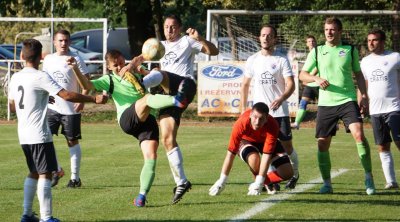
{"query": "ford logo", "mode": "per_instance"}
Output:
(222, 71)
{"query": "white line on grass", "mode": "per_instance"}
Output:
(274, 199)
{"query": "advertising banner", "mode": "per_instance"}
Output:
(219, 85)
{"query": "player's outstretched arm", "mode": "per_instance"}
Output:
(208, 47)
(79, 98)
(219, 185)
(83, 81)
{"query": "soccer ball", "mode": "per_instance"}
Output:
(152, 49)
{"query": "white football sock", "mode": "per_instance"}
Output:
(154, 78)
(44, 196)
(75, 156)
(388, 166)
(176, 164)
(295, 163)
(30, 187)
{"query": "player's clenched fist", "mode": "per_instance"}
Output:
(101, 99)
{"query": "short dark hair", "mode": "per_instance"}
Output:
(382, 35)
(31, 50)
(112, 54)
(174, 17)
(261, 108)
(334, 20)
(311, 37)
(62, 32)
(271, 27)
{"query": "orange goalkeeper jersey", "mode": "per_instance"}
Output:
(242, 130)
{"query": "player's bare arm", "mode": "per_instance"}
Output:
(76, 97)
(11, 104)
(244, 93)
(208, 47)
(306, 77)
(362, 87)
(289, 89)
(82, 79)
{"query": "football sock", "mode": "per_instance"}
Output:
(294, 160)
(30, 186)
(154, 78)
(301, 113)
(158, 101)
(75, 155)
(273, 177)
(388, 166)
(44, 196)
(324, 162)
(176, 164)
(147, 175)
(365, 155)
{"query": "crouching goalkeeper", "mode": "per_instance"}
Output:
(255, 139)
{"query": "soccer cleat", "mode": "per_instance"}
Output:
(390, 186)
(32, 218)
(270, 189)
(291, 184)
(295, 126)
(74, 183)
(140, 200)
(180, 190)
(326, 190)
(370, 186)
(277, 186)
(57, 175)
(52, 219)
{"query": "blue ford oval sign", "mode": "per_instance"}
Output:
(222, 72)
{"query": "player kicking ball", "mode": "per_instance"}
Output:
(254, 139)
(135, 111)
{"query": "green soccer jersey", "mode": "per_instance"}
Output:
(336, 65)
(124, 94)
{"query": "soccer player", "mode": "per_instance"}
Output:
(134, 114)
(336, 62)
(310, 91)
(255, 134)
(273, 84)
(381, 71)
(63, 113)
(178, 59)
(29, 96)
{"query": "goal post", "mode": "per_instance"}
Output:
(236, 34)
(34, 20)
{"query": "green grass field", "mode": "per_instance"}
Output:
(112, 162)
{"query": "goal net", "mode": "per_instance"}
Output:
(236, 32)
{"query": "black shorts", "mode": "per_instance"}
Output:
(40, 158)
(385, 123)
(285, 131)
(328, 117)
(70, 124)
(183, 84)
(279, 156)
(130, 124)
(311, 92)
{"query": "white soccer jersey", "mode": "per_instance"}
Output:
(383, 75)
(179, 55)
(30, 90)
(268, 73)
(56, 66)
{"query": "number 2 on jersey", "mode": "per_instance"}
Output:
(21, 101)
